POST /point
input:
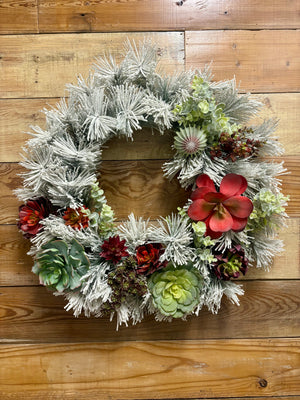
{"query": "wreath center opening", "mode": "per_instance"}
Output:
(132, 178)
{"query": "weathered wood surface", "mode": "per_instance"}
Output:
(16, 265)
(264, 61)
(268, 309)
(17, 114)
(250, 55)
(137, 185)
(34, 71)
(161, 369)
(52, 61)
(143, 15)
(26, 16)
(18, 16)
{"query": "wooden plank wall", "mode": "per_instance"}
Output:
(247, 351)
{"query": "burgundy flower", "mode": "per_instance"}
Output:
(148, 258)
(30, 215)
(114, 249)
(231, 263)
(224, 210)
(76, 218)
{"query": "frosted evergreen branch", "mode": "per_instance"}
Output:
(239, 107)
(140, 59)
(175, 233)
(129, 108)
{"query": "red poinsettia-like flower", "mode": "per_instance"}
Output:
(148, 258)
(30, 215)
(224, 210)
(75, 218)
(114, 249)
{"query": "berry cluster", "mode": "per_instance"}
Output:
(235, 146)
(124, 280)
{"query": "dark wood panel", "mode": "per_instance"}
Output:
(264, 61)
(17, 114)
(41, 65)
(268, 309)
(19, 16)
(128, 370)
(143, 15)
(137, 185)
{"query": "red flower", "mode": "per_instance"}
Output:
(30, 215)
(148, 258)
(224, 210)
(114, 249)
(76, 218)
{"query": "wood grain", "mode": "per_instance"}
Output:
(17, 114)
(16, 265)
(143, 15)
(268, 309)
(137, 185)
(165, 369)
(264, 61)
(40, 66)
(18, 16)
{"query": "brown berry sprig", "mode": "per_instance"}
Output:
(235, 146)
(124, 281)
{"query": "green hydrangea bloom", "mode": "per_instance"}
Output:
(267, 206)
(203, 243)
(60, 266)
(175, 291)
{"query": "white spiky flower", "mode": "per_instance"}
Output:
(190, 141)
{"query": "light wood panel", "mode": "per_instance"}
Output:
(18, 16)
(17, 114)
(268, 309)
(264, 61)
(16, 265)
(161, 369)
(137, 185)
(40, 66)
(133, 15)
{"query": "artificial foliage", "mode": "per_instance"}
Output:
(185, 261)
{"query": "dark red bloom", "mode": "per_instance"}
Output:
(114, 249)
(148, 258)
(224, 210)
(76, 218)
(231, 263)
(30, 215)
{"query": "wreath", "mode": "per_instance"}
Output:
(182, 262)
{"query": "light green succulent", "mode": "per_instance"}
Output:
(97, 198)
(106, 226)
(175, 291)
(60, 265)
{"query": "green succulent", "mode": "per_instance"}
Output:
(201, 110)
(97, 198)
(60, 266)
(175, 291)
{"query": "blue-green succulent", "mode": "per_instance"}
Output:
(60, 265)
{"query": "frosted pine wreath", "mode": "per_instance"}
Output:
(184, 261)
